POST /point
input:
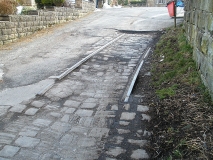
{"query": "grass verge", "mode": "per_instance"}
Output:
(182, 123)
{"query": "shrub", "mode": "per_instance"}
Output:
(8, 7)
(47, 2)
(58, 2)
(39, 4)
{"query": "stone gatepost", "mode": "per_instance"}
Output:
(29, 3)
(100, 4)
(78, 3)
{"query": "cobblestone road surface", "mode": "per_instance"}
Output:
(82, 117)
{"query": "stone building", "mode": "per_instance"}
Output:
(157, 3)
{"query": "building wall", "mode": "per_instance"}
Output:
(198, 23)
(157, 3)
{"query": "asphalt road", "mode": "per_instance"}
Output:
(28, 64)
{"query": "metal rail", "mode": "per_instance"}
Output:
(135, 75)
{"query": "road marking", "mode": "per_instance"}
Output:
(158, 15)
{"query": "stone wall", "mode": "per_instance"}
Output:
(198, 23)
(23, 25)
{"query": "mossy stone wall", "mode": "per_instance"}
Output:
(198, 23)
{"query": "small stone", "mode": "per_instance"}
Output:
(140, 131)
(9, 151)
(123, 131)
(37, 104)
(124, 123)
(4, 109)
(28, 133)
(71, 103)
(88, 105)
(70, 110)
(61, 127)
(107, 158)
(31, 111)
(80, 130)
(55, 114)
(85, 67)
(118, 139)
(148, 74)
(65, 118)
(146, 133)
(77, 74)
(99, 132)
(86, 142)
(66, 140)
(126, 106)
(27, 142)
(140, 143)
(115, 151)
(89, 94)
(18, 108)
(114, 107)
(105, 58)
(42, 122)
(141, 108)
(100, 74)
(51, 107)
(139, 154)
(83, 70)
(86, 121)
(146, 117)
(6, 138)
(127, 116)
(84, 113)
(91, 100)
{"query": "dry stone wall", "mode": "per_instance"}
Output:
(23, 25)
(198, 23)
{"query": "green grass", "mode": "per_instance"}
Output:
(183, 104)
(175, 65)
(165, 92)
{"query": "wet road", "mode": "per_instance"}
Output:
(27, 66)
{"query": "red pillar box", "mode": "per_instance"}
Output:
(170, 6)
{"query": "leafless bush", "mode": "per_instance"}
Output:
(7, 7)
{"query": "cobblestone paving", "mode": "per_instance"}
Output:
(82, 116)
